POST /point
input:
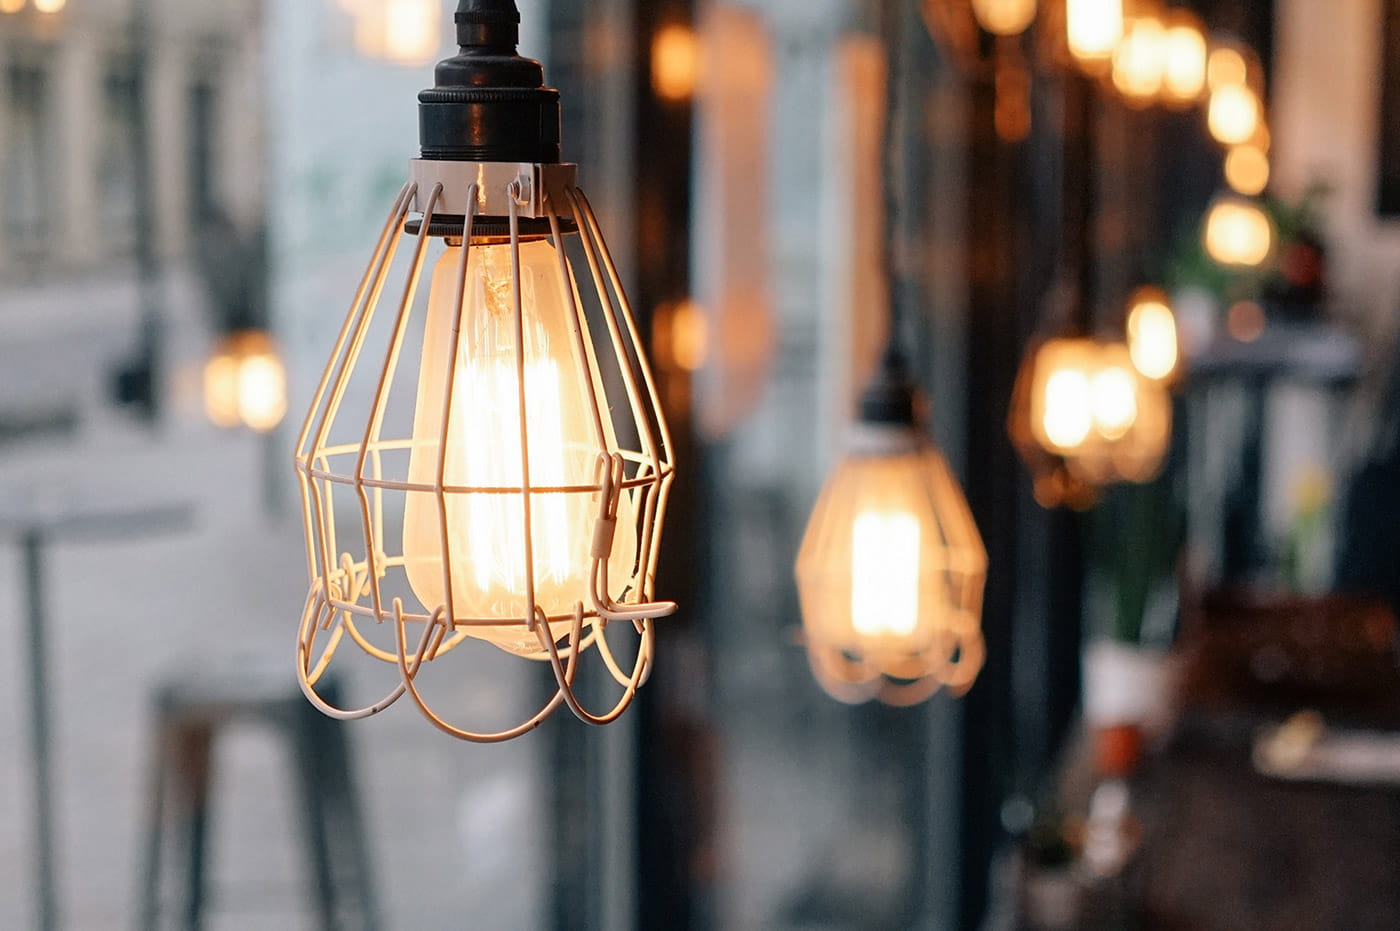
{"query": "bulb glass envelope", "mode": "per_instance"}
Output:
(508, 483)
(245, 382)
(1091, 406)
(890, 574)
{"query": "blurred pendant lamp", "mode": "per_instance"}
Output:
(1082, 413)
(1093, 29)
(509, 483)
(245, 382)
(891, 568)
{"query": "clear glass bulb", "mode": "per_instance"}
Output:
(485, 531)
(1093, 28)
(1152, 337)
(885, 572)
(1004, 17)
(891, 565)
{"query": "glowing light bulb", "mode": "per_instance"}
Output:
(891, 572)
(675, 62)
(1115, 402)
(1238, 232)
(1234, 114)
(1184, 70)
(245, 383)
(1247, 170)
(486, 533)
(11, 6)
(1226, 67)
(1152, 336)
(1093, 29)
(1068, 414)
(1004, 17)
(404, 32)
(50, 6)
(1139, 61)
(885, 573)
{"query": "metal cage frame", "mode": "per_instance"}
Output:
(345, 593)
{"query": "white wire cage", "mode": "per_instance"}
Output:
(891, 574)
(524, 506)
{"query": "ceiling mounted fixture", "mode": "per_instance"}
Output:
(509, 484)
(892, 568)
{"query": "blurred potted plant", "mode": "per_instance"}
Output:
(1132, 599)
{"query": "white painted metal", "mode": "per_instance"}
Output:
(347, 594)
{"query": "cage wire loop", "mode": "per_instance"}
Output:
(348, 588)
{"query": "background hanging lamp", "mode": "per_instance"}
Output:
(892, 568)
(490, 463)
(1082, 415)
(245, 382)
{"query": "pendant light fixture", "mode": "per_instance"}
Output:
(1082, 414)
(245, 382)
(891, 568)
(491, 463)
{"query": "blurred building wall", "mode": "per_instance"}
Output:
(1326, 106)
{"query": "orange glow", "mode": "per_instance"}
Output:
(1004, 17)
(1235, 114)
(1245, 321)
(1247, 170)
(1089, 404)
(1238, 232)
(1152, 336)
(403, 32)
(1184, 68)
(1226, 67)
(675, 62)
(1139, 62)
(890, 574)
(245, 384)
(11, 6)
(1093, 29)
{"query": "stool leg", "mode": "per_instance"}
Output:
(310, 759)
(149, 894)
(194, 748)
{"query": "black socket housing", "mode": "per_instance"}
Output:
(489, 104)
(891, 398)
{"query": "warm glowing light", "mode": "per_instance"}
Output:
(682, 335)
(1093, 28)
(1139, 61)
(1247, 170)
(1152, 337)
(1234, 114)
(1184, 69)
(405, 32)
(11, 6)
(1089, 405)
(49, 6)
(1245, 321)
(890, 574)
(1068, 415)
(1004, 17)
(245, 384)
(1238, 232)
(1115, 401)
(486, 533)
(885, 573)
(1226, 68)
(675, 62)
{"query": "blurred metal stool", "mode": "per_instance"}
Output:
(189, 713)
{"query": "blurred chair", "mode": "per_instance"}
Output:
(189, 714)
